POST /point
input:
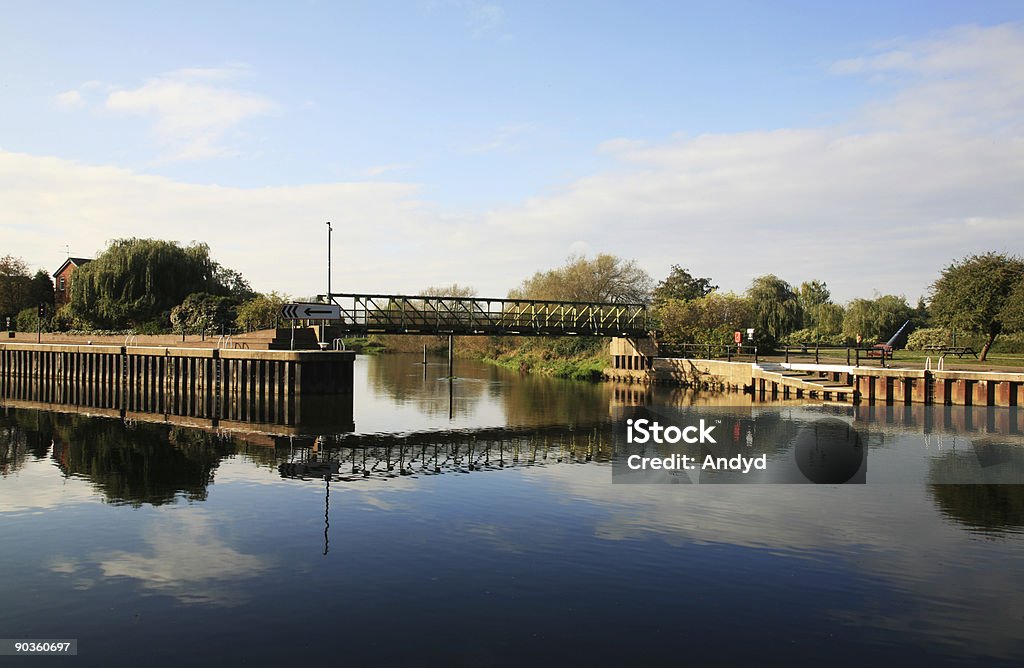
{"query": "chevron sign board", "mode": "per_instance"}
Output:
(303, 311)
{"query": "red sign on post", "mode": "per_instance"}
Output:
(737, 336)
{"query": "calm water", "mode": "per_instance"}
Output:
(478, 524)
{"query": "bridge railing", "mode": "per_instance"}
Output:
(474, 315)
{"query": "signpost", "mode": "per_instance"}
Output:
(306, 311)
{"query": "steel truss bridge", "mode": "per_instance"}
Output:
(406, 314)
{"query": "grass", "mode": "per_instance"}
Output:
(578, 367)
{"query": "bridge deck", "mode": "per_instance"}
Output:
(405, 314)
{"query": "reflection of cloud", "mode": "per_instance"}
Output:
(891, 532)
(187, 560)
(31, 489)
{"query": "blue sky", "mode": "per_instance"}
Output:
(864, 144)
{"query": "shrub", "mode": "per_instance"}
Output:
(929, 336)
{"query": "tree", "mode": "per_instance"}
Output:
(137, 281)
(679, 284)
(232, 283)
(202, 312)
(709, 319)
(606, 279)
(40, 290)
(453, 290)
(876, 319)
(971, 294)
(830, 320)
(260, 312)
(812, 296)
(1013, 311)
(15, 283)
(776, 307)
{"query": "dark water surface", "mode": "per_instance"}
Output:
(479, 525)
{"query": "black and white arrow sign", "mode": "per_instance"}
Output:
(302, 311)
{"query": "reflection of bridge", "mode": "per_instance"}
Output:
(403, 314)
(359, 456)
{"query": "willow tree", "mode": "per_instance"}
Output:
(776, 307)
(971, 294)
(137, 281)
(876, 319)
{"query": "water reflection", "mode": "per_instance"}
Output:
(991, 509)
(357, 457)
(183, 556)
(505, 517)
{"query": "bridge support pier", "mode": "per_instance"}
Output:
(451, 354)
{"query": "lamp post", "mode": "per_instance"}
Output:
(329, 230)
(323, 324)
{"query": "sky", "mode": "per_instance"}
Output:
(868, 145)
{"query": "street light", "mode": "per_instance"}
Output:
(329, 230)
(323, 324)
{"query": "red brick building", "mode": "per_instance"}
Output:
(62, 280)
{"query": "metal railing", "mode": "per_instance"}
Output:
(708, 351)
(853, 355)
(404, 314)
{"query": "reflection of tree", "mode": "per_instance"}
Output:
(400, 377)
(23, 434)
(140, 463)
(983, 507)
(531, 399)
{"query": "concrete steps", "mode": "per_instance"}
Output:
(775, 379)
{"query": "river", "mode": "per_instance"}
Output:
(493, 521)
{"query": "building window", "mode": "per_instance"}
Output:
(62, 283)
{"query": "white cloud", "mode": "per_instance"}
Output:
(275, 236)
(193, 109)
(69, 99)
(883, 201)
(928, 172)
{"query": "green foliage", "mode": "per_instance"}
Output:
(202, 312)
(232, 283)
(812, 297)
(260, 312)
(776, 307)
(28, 318)
(62, 319)
(1009, 343)
(710, 319)
(40, 290)
(575, 358)
(679, 284)
(136, 281)
(811, 336)
(1012, 313)
(876, 319)
(829, 320)
(15, 286)
(606, 278)
(928, 336)
(970, 295)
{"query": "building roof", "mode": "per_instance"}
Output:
(77, 261)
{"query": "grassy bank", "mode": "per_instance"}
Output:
(577, 358)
